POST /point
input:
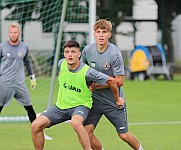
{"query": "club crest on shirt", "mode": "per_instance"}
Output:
(8, 54)
(106, 65)
(93, 64)
(20, 53)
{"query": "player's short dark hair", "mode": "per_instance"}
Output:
(71, 43)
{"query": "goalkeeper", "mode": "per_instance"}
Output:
(13, 57)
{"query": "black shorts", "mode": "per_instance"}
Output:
(118, 117)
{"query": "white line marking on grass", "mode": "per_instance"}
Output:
(19, 119)
(154, 123)
(25, 119)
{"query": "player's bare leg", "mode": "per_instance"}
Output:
(95, 143)
(131, 140)
(77, 124)
(37, 131)
(45, 135)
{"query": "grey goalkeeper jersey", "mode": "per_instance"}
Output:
(109, 62)
(12, 61)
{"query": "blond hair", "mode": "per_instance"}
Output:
(14, 25)
(103, 24)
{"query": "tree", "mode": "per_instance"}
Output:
(167, 11)
(115, 11)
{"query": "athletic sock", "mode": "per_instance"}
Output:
(140, 148)
(31, 113)
(1, 107)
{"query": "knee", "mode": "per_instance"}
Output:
(76, 125)
(123, 137)
(35, 127)
(89, 129)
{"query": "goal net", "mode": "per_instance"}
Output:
(45, 26)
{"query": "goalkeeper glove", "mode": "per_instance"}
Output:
(33, 82)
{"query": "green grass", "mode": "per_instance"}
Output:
(148, 102)
(39, 98)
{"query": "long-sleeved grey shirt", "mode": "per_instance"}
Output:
(12, 61)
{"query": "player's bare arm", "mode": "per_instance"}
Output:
(118, 81)
(114, 88)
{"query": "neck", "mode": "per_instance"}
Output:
(73, 66)
(102, 48)
(13, 43)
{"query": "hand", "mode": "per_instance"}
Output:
(92, 87)
(120, 102)
(33, 82)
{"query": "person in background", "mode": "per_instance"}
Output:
(13, 57)
(107, 58)
(74, 97)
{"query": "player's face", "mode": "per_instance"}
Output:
(14, 35)
(71, 55)
(102, 36)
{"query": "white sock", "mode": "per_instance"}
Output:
(140, 148)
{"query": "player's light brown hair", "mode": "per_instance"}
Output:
(103, 24)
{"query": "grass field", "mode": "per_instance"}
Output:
(154, 116)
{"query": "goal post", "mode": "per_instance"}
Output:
(57, 52)
(45, 26)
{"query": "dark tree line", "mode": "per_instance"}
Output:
(116, 10)
(167, 11)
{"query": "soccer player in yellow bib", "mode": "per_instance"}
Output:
(74, 96)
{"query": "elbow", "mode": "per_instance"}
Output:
(115, 81)
(111, 81)
(120, 80)
(119, 83)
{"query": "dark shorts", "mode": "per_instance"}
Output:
(118, 117)
(19, 92)
(57, 115)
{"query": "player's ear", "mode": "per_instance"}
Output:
(110, 34)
